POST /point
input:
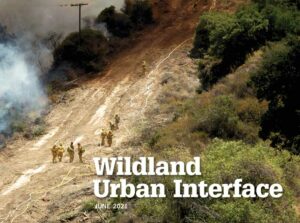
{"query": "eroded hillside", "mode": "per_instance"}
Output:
(32, 189)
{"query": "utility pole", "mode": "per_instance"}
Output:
(79, 5)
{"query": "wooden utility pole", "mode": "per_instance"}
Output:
(79, 5)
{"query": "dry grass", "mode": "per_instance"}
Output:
(184, 132)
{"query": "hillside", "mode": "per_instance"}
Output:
(165, 113)
(35, 190)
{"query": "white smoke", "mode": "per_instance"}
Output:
(25, 59)
(20, 87)
(43, 16)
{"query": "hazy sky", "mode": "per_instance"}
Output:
(42, 16)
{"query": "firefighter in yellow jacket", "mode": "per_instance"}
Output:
(81, 150)
(144, 67)
(103, 136)
(117, 121)
(109, 138)
(71, 152)
(60, 152)
(54, 150)
(112, 126)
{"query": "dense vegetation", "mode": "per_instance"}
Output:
(230, 110)
(223, 42)
(118, 24)
(88, 53)
(277, 80)
(135, 15)
(224, 162)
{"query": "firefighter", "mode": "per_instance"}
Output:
(54, 153)
(109, 138)
(144, 67)
(103, 136)
(71, 152)
(81, 150)
(112, 126)
(60, 152)
(117, 121)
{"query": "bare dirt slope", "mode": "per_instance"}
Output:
(32, 189)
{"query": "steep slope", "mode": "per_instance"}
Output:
(31, 187)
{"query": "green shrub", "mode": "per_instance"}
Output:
(88, 54)
(240, 211)
(118, 24)
(282, 21)
(208, 116)
(219, 119)
(223, 162)
(277, 80)
(224, 40)
(214, 32)
(18, 125)
(155, 210)
(210, 71)
(33, 130)
(38, 130)
(222, 118)
(89, 205)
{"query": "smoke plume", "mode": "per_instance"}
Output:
(20, 88)
(25, 58)
(42, 16)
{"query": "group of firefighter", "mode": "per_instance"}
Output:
(106, 136)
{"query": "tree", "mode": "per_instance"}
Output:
(89, 55)
(226, 40)
(118, 23)
(282, 21)
(278, 80)
(135, 15)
